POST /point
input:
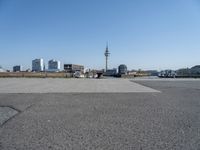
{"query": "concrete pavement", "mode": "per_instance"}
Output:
(48, 85)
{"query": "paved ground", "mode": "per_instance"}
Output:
(169, 119)
(6, 113)
(47, 85)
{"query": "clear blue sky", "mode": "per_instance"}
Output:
(146, 34)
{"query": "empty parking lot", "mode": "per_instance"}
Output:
(100, 114)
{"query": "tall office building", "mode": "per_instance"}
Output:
(54, 65)
(38, 65)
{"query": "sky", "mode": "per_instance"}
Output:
(143, 34)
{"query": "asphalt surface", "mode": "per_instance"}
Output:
(166, 120)
(6, 113)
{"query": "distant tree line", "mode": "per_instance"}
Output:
(189, 72)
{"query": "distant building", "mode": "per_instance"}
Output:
(167, 74)
(110, 72)
(122, 69)
(54, 65)
(17, 68)
(132, 72)
(38, 65)
(72, 68)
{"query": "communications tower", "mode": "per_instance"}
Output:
(106, 55)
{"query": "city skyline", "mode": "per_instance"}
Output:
(143, 35)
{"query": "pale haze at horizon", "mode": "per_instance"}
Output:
(141, 34)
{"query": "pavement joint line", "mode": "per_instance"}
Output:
(9, 106)
(15, 113)
(157, 91)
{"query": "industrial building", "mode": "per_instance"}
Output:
(122, 69)
(17, 68)
(110, 72)
(54, 65)
(38, 65)
(72, 68)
